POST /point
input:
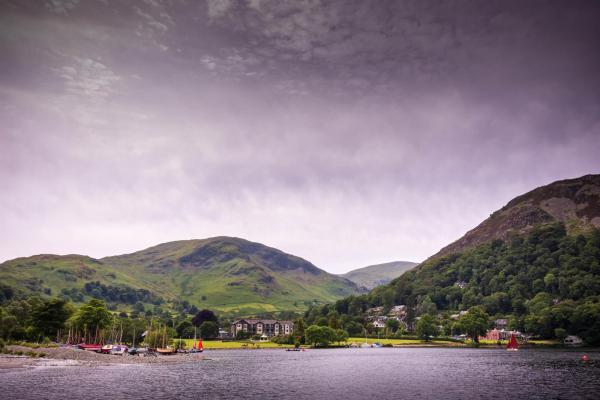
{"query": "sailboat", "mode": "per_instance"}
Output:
(165, 350)
(197, 348)
(512, 343)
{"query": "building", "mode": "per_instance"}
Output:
(375, 311)
(500, 334)
(501, 323)
(572, 340)
(398, 311)
(379, 323)
(260, 327)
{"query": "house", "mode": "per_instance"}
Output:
(500, 334)
(460, 314)
(501, 323)
(398, 311)
(494, 334)
(374, 311)
(379, 323)
(572, 340)
(260, 327)
(223, 334)
(460, 284)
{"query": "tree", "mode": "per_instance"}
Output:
(209, 330)
(474, 323)
(203, 316)
(299, 330)
(185, 328)
(392, 324)
(340, 336)
(354, 328)
(560, 334)
(426, 327)
(426, 306)
(92, 317)
(334, 321)
(320, 335)
(48, 317)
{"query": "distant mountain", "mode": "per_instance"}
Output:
(228, 274)
(574, 202)
(378, 274)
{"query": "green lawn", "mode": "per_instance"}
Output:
(219, 344)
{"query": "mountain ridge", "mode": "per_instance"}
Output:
(229, 274)
(375, 275)
(575, 202)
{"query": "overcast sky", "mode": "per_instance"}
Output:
(345, 132)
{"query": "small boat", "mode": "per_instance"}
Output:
(106, 349)
(165, 351)
(90, 347)
(119, 350)
(512, 344)
(294, 349)
(197, 348)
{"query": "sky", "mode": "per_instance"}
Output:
(348, 133)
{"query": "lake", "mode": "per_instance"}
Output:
(385, 373)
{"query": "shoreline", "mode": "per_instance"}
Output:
(68, 357)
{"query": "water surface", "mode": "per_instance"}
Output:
(400, 373)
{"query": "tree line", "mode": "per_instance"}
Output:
(545, 283)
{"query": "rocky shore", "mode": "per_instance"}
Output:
(64, 356)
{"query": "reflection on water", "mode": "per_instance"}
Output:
(333, 374)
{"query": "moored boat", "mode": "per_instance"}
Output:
(106, 349)
(198, 347)
(512, 344)
(90, 347)
(165, 351)
(119, 350)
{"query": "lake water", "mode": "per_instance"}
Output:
(385, 373)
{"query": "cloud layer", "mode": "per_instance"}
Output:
(348, 133)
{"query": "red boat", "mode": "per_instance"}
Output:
(91, 347)
(512, 344)
(197, 348)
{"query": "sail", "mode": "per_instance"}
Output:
(200, 347)
(512, 344)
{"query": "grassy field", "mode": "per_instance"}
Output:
(218, 344)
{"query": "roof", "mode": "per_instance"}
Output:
(262, 321)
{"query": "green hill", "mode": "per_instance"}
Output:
(231, 275)
(535, 262)
(378, 274)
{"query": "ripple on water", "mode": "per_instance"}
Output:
(332, 374)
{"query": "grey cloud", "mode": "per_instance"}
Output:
(344, 132)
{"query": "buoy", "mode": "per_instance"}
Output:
(585, 358)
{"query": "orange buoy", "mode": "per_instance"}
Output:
(585, 358)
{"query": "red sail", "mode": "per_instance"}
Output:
(200, 347)
(512, 344)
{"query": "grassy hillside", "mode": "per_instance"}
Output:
(535, 262)
(231, 275)
(379, 274)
